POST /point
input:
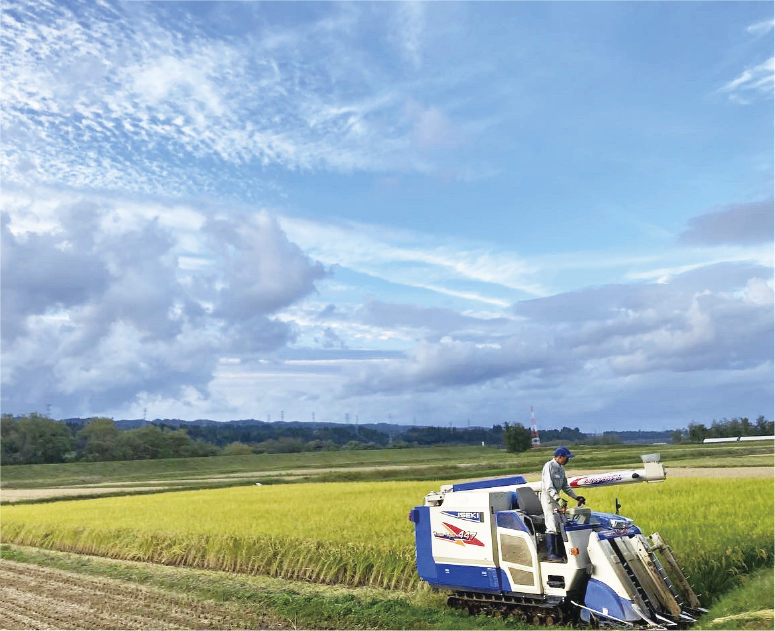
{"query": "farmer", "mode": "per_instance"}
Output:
(553, 481)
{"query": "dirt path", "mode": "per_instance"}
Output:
(34, 597)
(16, 495)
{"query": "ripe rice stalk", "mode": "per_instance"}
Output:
(324, 540)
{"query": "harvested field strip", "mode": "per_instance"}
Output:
(262, 602)
(39, 598)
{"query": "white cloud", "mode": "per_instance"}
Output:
(97, 311)
(752, 82)
(408, 21)
(759, 292)
(761, 28)
(685, 326)
(413, 259)
(135, 84)
(432, 128)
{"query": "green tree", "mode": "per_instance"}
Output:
(34, 439)
(764, 427)
(237, 449)
(201, 448)
(321, 445)
(143, 443)
(677, 436)
(516, 437)
(102, 440)
(10, 439)
(178, 443)
(697, 432)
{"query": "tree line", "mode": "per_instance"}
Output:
(36, 439)
(517, 438)
(697, 432)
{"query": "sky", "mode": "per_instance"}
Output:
(433, 213)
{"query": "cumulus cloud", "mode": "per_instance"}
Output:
(265, 270)
(736, 224)
(43, 273)
(688, 325)
(98, 313)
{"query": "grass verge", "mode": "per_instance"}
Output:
(748, 606)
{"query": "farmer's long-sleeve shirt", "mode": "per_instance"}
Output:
(553, 481)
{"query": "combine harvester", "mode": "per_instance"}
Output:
(484, 541)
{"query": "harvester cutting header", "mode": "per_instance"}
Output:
(489, 542)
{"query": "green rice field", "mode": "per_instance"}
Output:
(357, 533)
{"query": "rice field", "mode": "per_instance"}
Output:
(358, 533)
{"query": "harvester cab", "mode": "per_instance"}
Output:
(484, 541)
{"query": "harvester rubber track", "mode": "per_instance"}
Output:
(537, 611)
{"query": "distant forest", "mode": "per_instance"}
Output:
(37, 439)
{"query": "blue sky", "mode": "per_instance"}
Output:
(419, 212)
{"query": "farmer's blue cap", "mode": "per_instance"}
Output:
(563, 451)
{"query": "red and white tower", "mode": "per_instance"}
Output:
(535, 441)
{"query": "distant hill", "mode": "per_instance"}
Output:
(382, 434)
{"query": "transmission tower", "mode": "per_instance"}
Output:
(535, 441)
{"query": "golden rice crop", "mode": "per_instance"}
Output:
(719, 528)
(352, 533)
(358, 533)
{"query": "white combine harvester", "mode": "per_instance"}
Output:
(484, 541)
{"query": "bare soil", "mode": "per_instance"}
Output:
(34, 597)
(15, 495)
